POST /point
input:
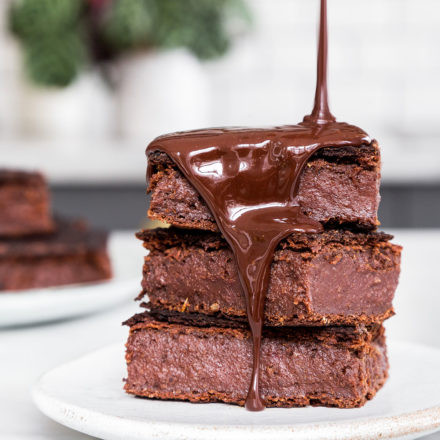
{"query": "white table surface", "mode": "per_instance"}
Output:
(25, 353)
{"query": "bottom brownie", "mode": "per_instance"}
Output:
(74, 254)
(322, 366)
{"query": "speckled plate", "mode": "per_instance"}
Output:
(86, 395)
(35, 306)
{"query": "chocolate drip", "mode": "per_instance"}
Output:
(321, 111)
(249, 179)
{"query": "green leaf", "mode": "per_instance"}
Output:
(127, 24)
(52, 62)
(31, 19)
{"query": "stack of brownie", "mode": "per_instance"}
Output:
(37, 250)
(329, 293)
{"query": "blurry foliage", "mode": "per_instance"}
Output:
(200, 25)
(50, 31)
(55, 62)
(59, 36)
(126, 24)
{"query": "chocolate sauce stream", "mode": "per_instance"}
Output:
(321, 111)
(249, 178)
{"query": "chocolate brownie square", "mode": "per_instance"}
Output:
(74, 254)
(321, 366)
(24, 204)
(339, 186)
(334, 277)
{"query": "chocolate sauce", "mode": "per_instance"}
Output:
(321, 111)
(249, 179)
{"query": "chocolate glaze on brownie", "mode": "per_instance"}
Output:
(338, 187)
(24, 204)
(74, 254)
(336, 277)
(249, 178)
(326, 366)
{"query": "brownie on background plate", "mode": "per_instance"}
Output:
(73, 254)
(24, 204)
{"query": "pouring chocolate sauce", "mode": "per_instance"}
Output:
(249, 178)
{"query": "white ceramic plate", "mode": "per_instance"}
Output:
(87, 395)
(49, 304)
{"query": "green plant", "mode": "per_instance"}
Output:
(126, 24)
(52, 37)
(60, 36)
(203, 26)
(55, 62)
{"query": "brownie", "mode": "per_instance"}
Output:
(321, 366)
(74, 254)
(339, 186)
(335, 277)
(24, 204)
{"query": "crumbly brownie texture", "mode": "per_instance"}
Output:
(324, 366)
(338, 186)
(24, 204)
(336, 277)
(74, 254)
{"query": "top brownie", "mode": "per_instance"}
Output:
(24, 204)
(338, 187)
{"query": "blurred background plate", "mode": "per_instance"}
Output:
(87, 395)
(56, 303)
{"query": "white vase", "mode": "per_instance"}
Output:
(83, 110)
(161, 92)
